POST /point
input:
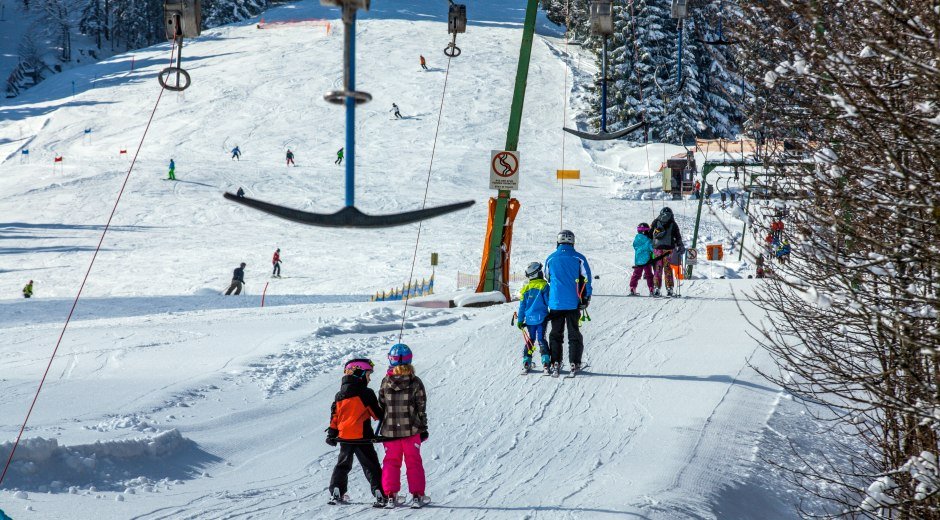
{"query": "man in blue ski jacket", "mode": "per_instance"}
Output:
(569, 277)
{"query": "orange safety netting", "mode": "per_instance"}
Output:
(512, 208)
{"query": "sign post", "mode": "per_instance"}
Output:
(493, 268)
(504, 170)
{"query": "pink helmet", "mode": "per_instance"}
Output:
(361, 364)
(643, 227)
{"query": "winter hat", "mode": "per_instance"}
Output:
(643, 227)
(399, 354)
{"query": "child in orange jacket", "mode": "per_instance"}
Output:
(351, 427)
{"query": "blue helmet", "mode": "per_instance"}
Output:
(399, 354)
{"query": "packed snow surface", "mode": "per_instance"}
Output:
(168, 400)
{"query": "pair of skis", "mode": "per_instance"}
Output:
(570, 375)
(390, 504)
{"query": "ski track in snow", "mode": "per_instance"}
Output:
(645, 432)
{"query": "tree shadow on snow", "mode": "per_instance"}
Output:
(622, 514)
(725, 379)
(11, 226)
(23, 112)
(48, 249)
(39, 310)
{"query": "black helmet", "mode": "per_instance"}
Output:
(666, 214)
(243, 264)
(566, 237)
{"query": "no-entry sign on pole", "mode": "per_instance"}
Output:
(504, 170)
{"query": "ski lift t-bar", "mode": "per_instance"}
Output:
(349, 216)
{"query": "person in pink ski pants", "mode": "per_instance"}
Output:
(405, 425)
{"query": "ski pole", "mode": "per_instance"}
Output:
(585, 316)
(529, 342)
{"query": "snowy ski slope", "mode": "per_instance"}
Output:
(170, 401)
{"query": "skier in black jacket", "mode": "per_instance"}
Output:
(238, 280)
(666, 238)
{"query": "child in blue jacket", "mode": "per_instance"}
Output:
(533, 314)
(642, 258)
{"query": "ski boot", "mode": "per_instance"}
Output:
(418, 501)
(546, 369)
(575, 368)
(669, 292)
(634, 293)
(390, 501)
(380, 500)
(656, 293)
(556, 369)
(336, 497)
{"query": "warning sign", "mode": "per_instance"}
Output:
(504, 170)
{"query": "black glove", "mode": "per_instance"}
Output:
(423, 435)
(520, 324)
(584, 304)
(331, 441)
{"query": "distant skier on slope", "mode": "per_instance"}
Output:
(396, 111)
(238, 280)
(240, 193)
(236, 153)
(276, 260)
(351, 417)
(424, 63)
(339, 157)
(569, 276)
(172, 174)
(290, 157)
(28, 290)
(666, 238)
(533, 315)
(642, 258)
(405, 425)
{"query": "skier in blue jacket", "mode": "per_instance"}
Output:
(569, 276)
(533, 315)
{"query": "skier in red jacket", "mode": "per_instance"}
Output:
(277, 263)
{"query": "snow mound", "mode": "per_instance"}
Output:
(43, 465)
(479, 299)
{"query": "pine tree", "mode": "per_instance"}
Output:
(722, 87)
(647, 78)
(220, 12)
(683, 116)
(137, 23)
(94, 20)
(619, 61)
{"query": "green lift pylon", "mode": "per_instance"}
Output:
(494, 261)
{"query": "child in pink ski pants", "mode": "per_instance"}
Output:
(405, 425)
(408, 448)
